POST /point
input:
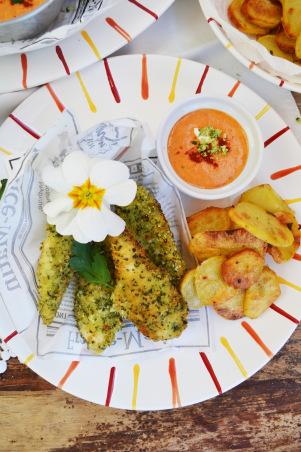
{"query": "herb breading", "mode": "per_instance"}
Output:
(53, 272)
(96, 319)
(147, 223)
(144, 293)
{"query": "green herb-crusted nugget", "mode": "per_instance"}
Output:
(147, 223)
(53, 272)
(96, 319)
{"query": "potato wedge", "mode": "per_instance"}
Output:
(266, 197)
(188, 290)
(261, 224)
(210, 219)
(209, 283)
(284, 254)
(291, 17)
(264, 13)
(224, 243)
(269, 42)
(285, 43)
(241, 22)
(262, 294)
(233, 308)
(242, 269)
(298, 47)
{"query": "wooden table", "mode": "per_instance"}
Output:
(262, 414)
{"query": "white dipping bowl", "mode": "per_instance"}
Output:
(242, 116)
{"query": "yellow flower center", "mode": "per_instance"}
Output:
(87, 195)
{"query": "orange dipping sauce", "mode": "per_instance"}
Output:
(222, 169)
(10, 10)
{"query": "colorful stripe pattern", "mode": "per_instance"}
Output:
(24, 127)
(110, 21)
(144, 8)
(70, 371)
(211, 372)
(110, 386)
(136, 373)
(111, 81)
(233, 355)
(176, 402)
(172, 94)
(203, 78)
(256, 338)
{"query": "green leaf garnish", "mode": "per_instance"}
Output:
(3, 185)
(89, 261)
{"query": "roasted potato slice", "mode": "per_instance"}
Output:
(269, 42)
(242, 269)
(291, 18)
(284, 254)
(210, 219)
(262, 294)
(188, 290)
(266, 197)
(233, 308)
(261, 224)
(264, 13)
(209, 283)
(224, 243)
(241, 22)
(285, 43)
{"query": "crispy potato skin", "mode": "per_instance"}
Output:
(284, 254)
(241, 22)
(209, 219)
(262, 294)
(96, 318)
(209, 284)
(148, 225)
(269, 42)
(264, 13)
(144, 293)
(207, 244)
(286, 44)
(231, 309)
(242, 269)
(261, 224)
(53, 273)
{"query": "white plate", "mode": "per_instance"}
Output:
(222, 36)
(173, 378)
(107, 33)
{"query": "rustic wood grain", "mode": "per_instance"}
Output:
(262, 414)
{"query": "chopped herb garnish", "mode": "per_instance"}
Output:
(210, 141)
(89, 261)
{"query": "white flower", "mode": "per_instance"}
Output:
(83, 189)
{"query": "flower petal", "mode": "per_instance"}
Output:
(76, 168)
(59, 205)
(67, 224)
(92, 223)
(54, 178)
(106, 173)
(121, 194)
(115, 225)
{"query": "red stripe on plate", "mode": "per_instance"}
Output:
(24, 127)
(110, 386)
(276, 136)
(24, 69)
(10, 336)
(111, 81)
(297, 257)
(60, 54)
(284, 313)
(144, 8)
(211, 19)
(204, 75)
(211, 372)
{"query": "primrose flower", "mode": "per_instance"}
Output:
(82, 192)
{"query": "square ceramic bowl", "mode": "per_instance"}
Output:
(242, 116)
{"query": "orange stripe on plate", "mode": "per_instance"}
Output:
(234, 89)
(70, 370)
(256, 338)
(57, 101)
(144, 79)
(110, 21)
(176, 402)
